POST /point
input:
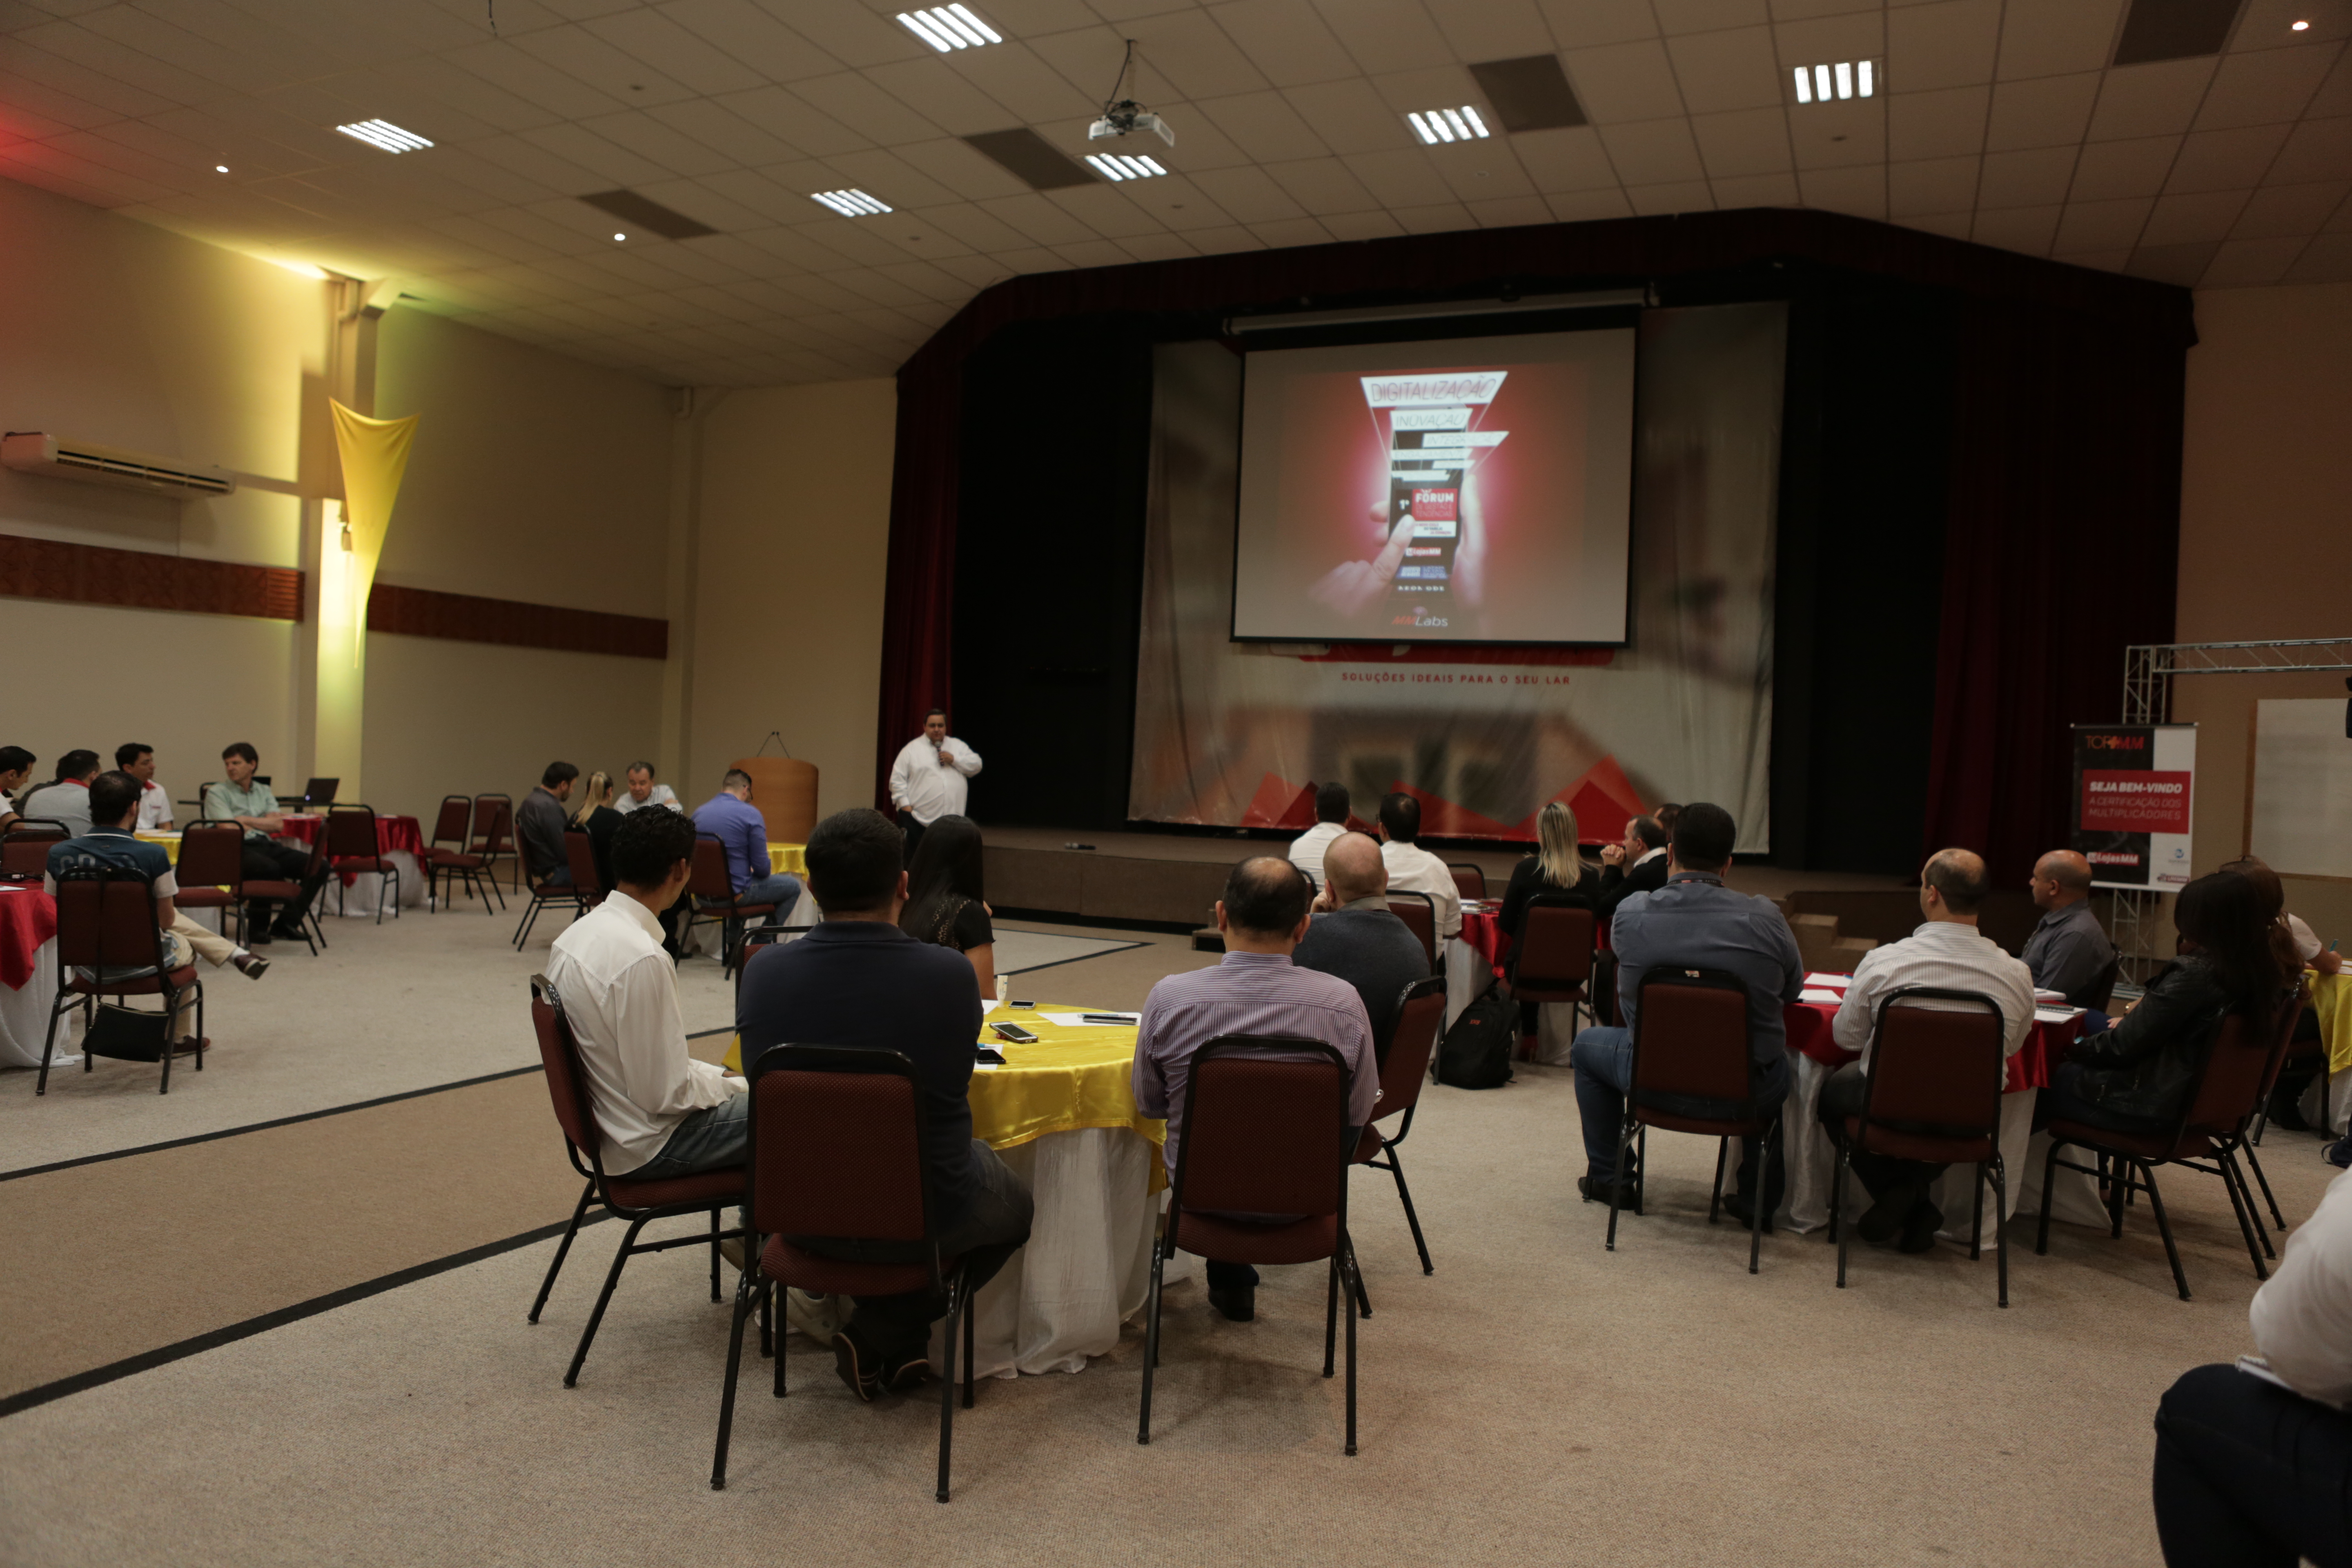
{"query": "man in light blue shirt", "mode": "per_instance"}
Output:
(732, 818)
(1692, 922)
(250, 803)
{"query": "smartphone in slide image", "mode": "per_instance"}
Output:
(1432, 444)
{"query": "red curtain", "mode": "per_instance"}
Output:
(2069, 391)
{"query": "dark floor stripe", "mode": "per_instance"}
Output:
(147, 1361)
(291, 1121)
(1081, 958)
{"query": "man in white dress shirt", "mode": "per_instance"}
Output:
(1948, 954)
(931, 778)
(138, 760)
(662, 1113)
(1331, 821)
(643, 791)
(1412, 868)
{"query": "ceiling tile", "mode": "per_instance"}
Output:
(1444, 218)
(2046, 112)
(1482, 172)
(1031, 90)
(1214, 241)
(2263, 88)
(2039, 177)
(1368, 224)
(1932, 185)
(2316, 150)
(853, 34)
(2098, 225)
(1837, 136)
(1324, 186)
(2178, 264)
(1751, 142)
(1163, 246)
(1802, 10)
(746, 32)
(2149, 101)
(1265, 126)
(1286, 233)
(2053, 39)
(1431, 85)
(1189, 50)
(2227, 160)
(2109, 171)
(2027, 230)
(1655, 152)
(1735, 68)
(1385, 35)
(662, 143)
(1581, 23)
(1491, 29)
(1950, 44)
(932, 90)
(1945, 124)
(962, 168)
(865, 108)
(652, 39)
(2277, 212)
(1862, 192)
(1757, 191)
(1400, 179)
(1676, 197)
(1351, 116)
(2243, 263)
(576, 144)
(1569, 158)
(1623, 82)
(1038, 218)
(892, 180)
(1952, 226)
(715, 125)
(510, 69)
(1509, 212)
(1678, 16)
(1588, 206)
(2334, 94)
(793, 121)
(1857, 36)
(2202, 219)
(581, 55)
(1285, 40)
(1111, 211)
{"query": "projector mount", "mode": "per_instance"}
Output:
(1124, 116)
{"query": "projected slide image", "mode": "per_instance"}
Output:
(1387, 494)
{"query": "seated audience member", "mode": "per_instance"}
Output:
(114, 800)
(16, 769)
(1668, 815)
(2135, 1076)
(643, 791)
(732, 818)
(1949, 954)
(539, 824)
(2068, 951)
(858, 980)
(1412, 868)
(1638, 865)
(64, 798)
(597, 818)
(1331, 821)
(1693, 922)
(253, 806)
(1255, 989)
(1355, 938)
(2298, 949)
(1557, 868)
(944, 903)
(138, 760)
(2250, 1466)
(662, 1113)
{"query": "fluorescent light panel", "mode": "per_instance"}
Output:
(1436, 125)
(949, 28)
(1120, 166)
(851, 203)
(1835, 80)
(384, 134)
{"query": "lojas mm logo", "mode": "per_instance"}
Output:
(2116, 742)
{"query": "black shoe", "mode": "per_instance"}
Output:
(258, 938)
(909, 1376)
(1238, 1303)
(252, 965)
(1882, 1221)
(1738, 1208)
(1920, 1225)
(1597, 1191)
(291, 933)
(861, 1379)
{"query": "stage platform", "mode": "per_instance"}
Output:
(1169, 881)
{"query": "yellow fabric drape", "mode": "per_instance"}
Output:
(374, 453)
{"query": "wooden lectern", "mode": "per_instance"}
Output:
(784, 789)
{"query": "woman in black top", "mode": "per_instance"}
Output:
(597, 819)
(1559, 867)
(2136, 1076)
(944, 904)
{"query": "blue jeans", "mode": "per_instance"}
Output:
(781, 892)
(1604, 1059)
(716, 1138)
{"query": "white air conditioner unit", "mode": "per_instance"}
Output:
(35, 452)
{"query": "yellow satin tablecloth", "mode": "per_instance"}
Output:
(170, 841)
(1074, 1077)
(787, 859)
(2331, 1000)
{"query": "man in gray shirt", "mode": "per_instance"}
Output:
(66, 798)
(540, 822)
(1355, 938)
(2068, 951)
(1692, 922)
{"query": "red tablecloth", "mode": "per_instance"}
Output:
(1809, 1031)
(28, 918)
(1482, 930)
(391, 832)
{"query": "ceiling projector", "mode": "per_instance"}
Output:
(1124, 118)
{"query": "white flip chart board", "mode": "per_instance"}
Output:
(2302, 787)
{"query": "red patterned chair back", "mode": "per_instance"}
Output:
(106, 919)
(1262, 1134)
(212, 855)
(1936, 1073)
(1690, 1029)
(1420, 1018)
(450, 822)
(1420, 917)
(567, 1087)
(351, 833)
(837, 1145)
(2230, 1089)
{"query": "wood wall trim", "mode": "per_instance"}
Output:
(464, 618)
(145, 580)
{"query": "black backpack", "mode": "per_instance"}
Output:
(1477, 1051)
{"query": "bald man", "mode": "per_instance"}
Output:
(1355, 938)
(1948, 954)
(2068, 951)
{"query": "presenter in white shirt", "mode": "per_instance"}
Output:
(1330, 822)
(643, 791)
(1412, 868)
(1948, 954)
(931, 778)
(662, 1113)
(138, 760)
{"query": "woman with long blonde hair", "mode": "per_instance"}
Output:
(1557, 869)
(596, 818)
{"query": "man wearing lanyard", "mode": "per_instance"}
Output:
(930, 780)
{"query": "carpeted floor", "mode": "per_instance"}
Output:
(1537, 1400)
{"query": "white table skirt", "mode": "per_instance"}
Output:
(370, 891)
(25, 1015)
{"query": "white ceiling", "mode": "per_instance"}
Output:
(2001, 123)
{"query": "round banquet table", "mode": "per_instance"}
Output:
(787, 859)
(1061, 1113)
(398, 839)
(1814, 1054)
(28, 977)
(2331, 1002)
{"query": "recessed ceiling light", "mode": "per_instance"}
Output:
(1436, 125)
(620, 237)
(1120, 166)
(2299, 28)
(384, 134)
(850, 203)
(1839, 79)
(949, 28)
(220, 168)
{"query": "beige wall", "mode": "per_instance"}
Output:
(2266, 529)
(792, 544)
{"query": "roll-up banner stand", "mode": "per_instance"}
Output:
(2133, 790)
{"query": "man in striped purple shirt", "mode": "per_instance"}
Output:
(1256, 990)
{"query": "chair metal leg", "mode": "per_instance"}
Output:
(2246, 1191)
(767, 1321)
(734, 1364)
(49, 1046)
(603, 1298)
(563, 1250)
(1617, 1183)
(2255, 1161)
(1348, 1248)
(1150, 1341)
(1331, 1313)
(2238, 1207)
(2000, 1231)
(1976, 1216)
(2163, 1226)
(1837, 1201)
(1759, 1201)
(971, 1317)
(1404, 1195)
(1714, 1200)
(1363, 1300)
(714, 1255)
(958, 1307)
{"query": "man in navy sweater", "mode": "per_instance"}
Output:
(858, 981)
